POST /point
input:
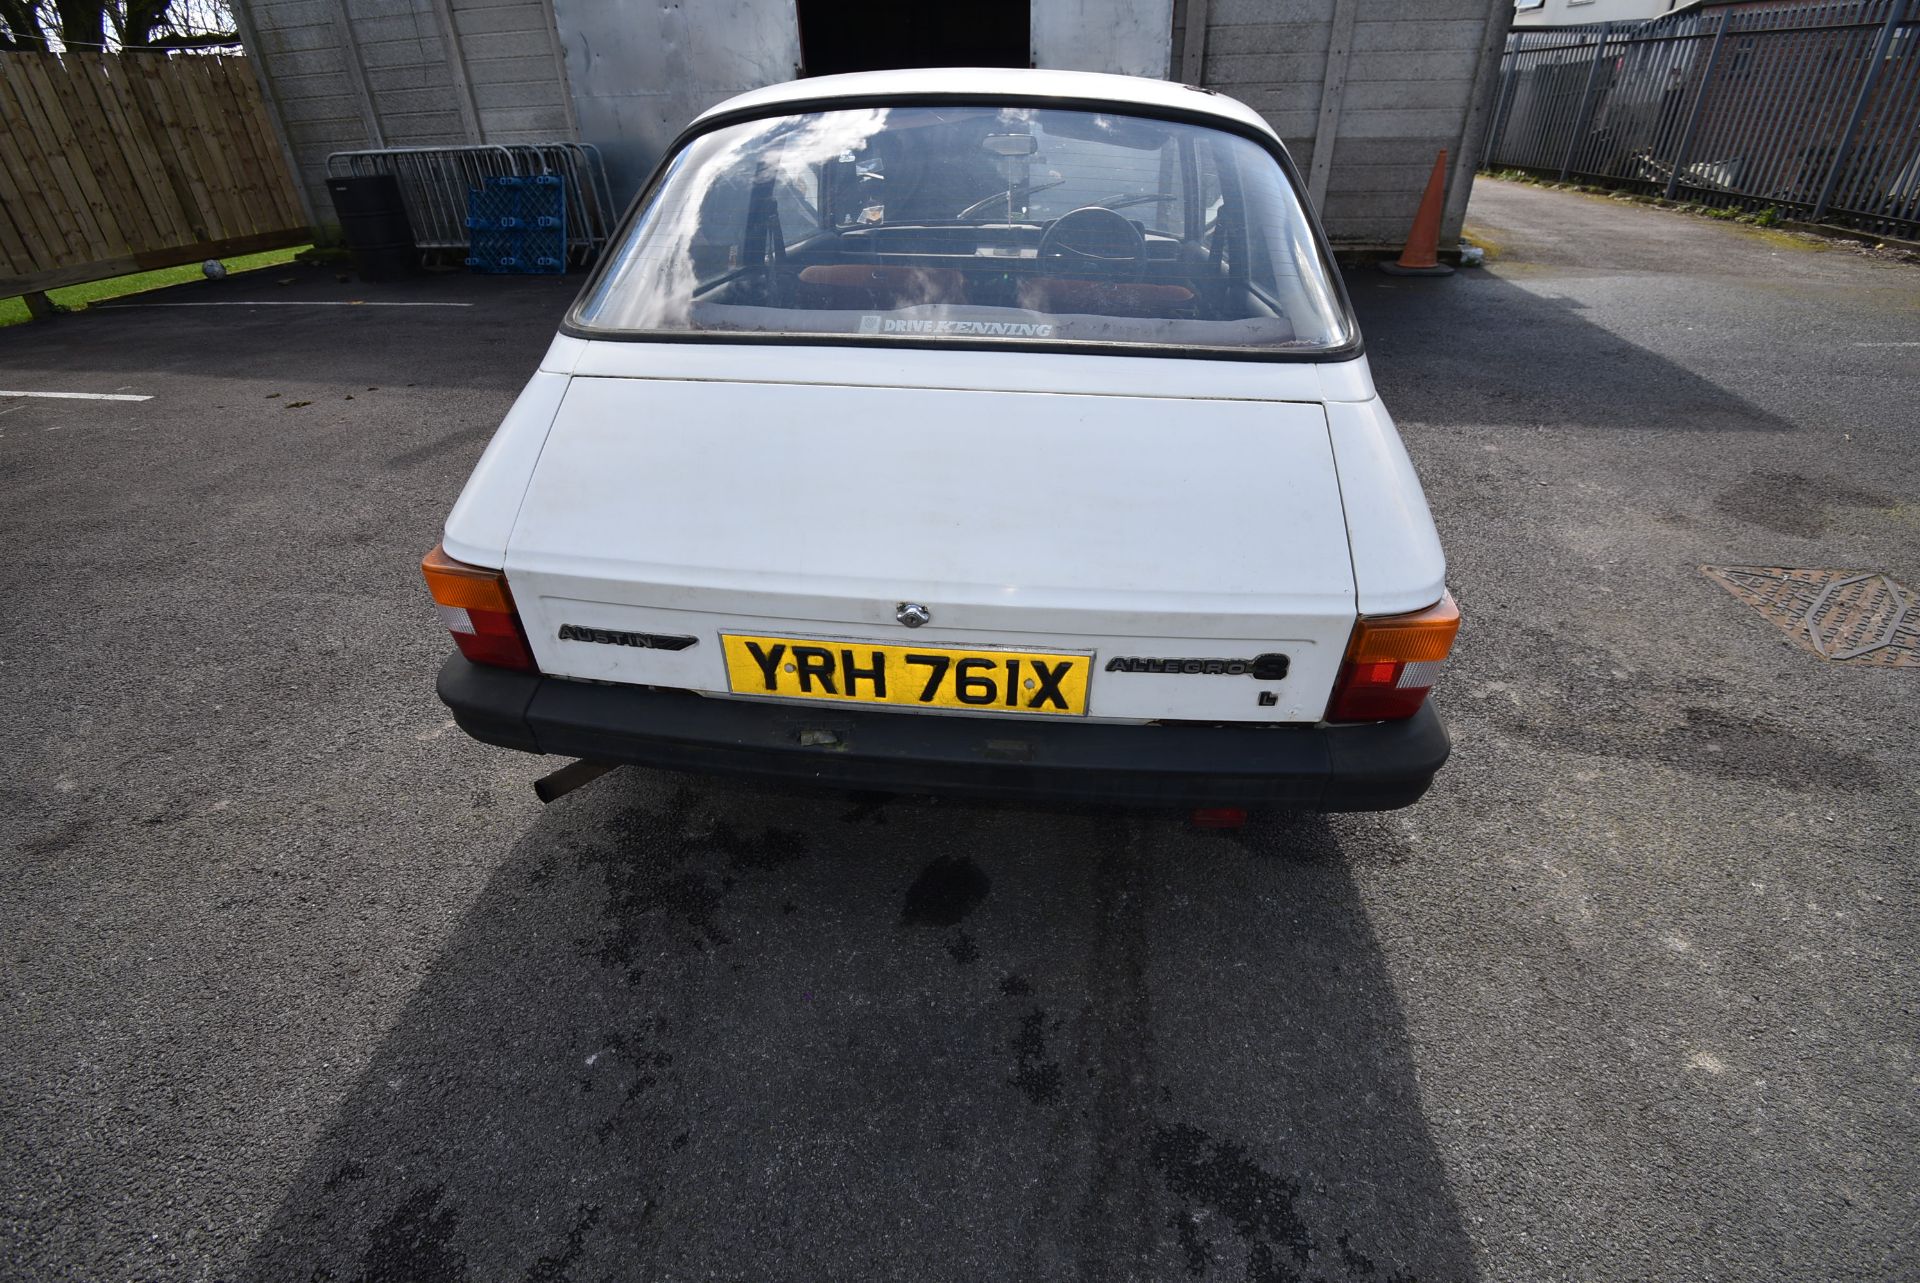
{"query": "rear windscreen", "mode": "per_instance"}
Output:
(989, 224)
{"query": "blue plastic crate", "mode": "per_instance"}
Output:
(518, 226)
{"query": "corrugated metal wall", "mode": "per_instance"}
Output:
(1124, 37)
(346, 74)
(639, 74)
(513, 62)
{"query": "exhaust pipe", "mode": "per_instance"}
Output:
(553, 787)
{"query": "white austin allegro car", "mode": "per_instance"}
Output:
(981, 431)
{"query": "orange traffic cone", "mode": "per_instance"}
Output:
(1421, 255)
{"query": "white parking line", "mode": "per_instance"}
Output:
(285, 302)
(80, 396)
(1899, 344)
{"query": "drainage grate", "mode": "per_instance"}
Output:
(1840, 615)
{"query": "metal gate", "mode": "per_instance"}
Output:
(1809, 108)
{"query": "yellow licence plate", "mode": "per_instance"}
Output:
(989, 681)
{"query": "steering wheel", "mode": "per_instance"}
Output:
(1095, 234)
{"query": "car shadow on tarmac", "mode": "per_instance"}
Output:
(696, 1030)
(1531, 360)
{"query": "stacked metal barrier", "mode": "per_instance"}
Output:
(1809, 108)
(434, 182)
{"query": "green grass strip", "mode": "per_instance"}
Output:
(73, 298)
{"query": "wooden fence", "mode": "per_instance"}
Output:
(113, 163)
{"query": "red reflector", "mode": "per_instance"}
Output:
(1219, 817)
(495, 640)
(1357, 701)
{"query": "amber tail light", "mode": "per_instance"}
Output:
(1392, 661)
(478, 610)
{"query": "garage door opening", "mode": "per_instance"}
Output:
(879, 35)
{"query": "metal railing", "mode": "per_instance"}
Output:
(434, 182)
(1812, 109)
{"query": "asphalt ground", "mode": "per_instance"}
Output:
(302, 984)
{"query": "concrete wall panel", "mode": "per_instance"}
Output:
(1431, 10)
(410, 75)
(499, 18)
(1455, 66)
(1233, 13)
(1416, 35)
(307, 37)
(1409, 84)
(629, 77)
(280, 14)
(1223, 71)
(1403, 95)
(1267, 39)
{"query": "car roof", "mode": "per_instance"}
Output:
(1119, 92)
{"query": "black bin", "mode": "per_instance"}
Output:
(373, 220)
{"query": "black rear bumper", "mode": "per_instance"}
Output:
(1369, 767)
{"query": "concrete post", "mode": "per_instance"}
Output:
(1193, 44)
(1333, 91)
(356, 70)
(1471, 151)
(457, 70)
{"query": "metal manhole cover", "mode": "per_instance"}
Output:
(1840, 615)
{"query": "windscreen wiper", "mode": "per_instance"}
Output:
(1004, 193)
